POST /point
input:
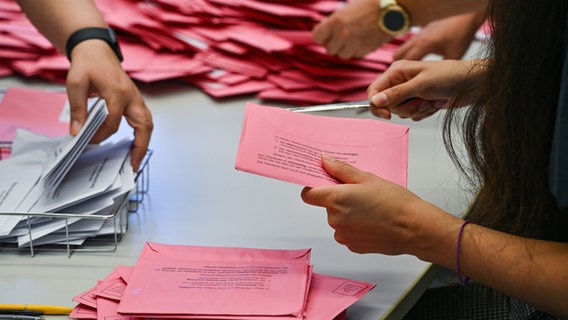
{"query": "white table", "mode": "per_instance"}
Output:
(197, 198)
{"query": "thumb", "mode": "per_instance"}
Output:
(342, 171)
(393, 96)
(321, 32)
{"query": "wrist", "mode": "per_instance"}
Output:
(434, 236)
(84, 34)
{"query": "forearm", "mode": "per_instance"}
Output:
(532, 271)
(425, 11)
(58, 19)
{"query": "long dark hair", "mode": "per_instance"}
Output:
(508, 131)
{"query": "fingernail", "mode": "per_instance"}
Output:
(440, 103)
(379, 99)
(75, 127)
(328, 158)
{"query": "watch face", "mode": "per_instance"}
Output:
(394, 20)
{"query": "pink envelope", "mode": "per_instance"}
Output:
(329, 296)
(87, 298)
(221, 90)
(209, 281)
(39, 111)
(280, 10)
(82, 311)
(153, 250)
(111, 288)
(288, 146)
(107, 310)
(258, 37)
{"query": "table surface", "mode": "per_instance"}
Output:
(197, 197)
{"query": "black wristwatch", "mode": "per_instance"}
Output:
(106, 34)
(393, 18)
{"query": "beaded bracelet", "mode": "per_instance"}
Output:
(463, 280)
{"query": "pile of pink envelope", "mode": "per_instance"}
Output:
(194, 282)
(224, 47)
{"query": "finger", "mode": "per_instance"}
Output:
(424, 115)
(334, 46)
(400, 53)
(382, 113)
(414, 53)
(394, 95)
(394, 75)
(77, 93)
(110, 124)
(321, 32)
(320, 197)
(306, 196)
(139, 118)
(412, 108)
(342, 171)
(347, 53)
(139, 147)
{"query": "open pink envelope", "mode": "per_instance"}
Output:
(170, 281)
(288, 146)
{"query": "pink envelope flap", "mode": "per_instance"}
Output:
(288, 146)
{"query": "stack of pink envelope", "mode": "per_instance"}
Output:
(224, 47)
(194, 282)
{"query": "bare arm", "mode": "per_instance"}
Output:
(449, 37)
(372, 215)
(424, 11)
(95, 71)
(353, 31)
(58, 19)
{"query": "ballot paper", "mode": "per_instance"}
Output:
(91, 187)
(66, 153)
(62, 155)
(64, 175)
(19, 175)
(97, 185)
(288, 146)
(327, 297)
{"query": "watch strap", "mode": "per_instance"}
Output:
(386, 3)
(106, 34)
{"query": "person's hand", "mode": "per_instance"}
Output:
(418, 89)
(449, 37)
(352, 31)
(96, 71)
(370, 214)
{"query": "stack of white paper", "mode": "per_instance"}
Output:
(62, 175)
(194, 282)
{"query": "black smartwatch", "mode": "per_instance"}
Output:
(106, 34)
(393, 18)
